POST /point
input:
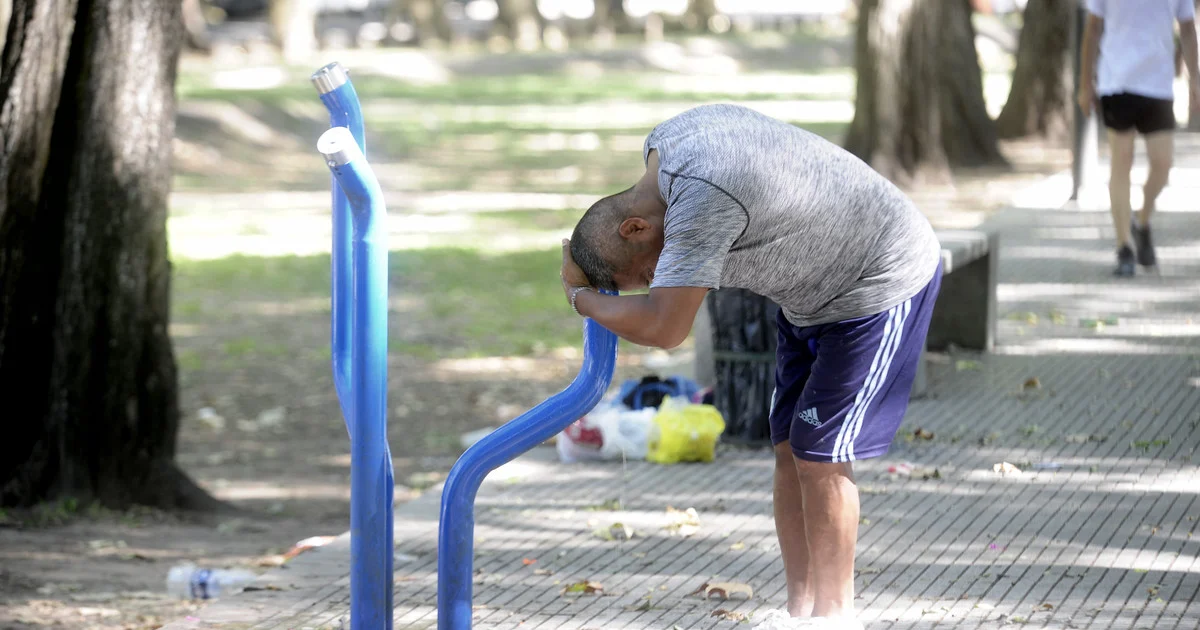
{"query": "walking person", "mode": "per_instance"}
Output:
(1134, 41)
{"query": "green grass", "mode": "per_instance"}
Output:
(544, 89)
(464, 302)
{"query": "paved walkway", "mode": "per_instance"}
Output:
(1094, 392)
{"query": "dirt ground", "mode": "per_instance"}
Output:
(262, 431)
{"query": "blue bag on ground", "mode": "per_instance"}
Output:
(651, 390)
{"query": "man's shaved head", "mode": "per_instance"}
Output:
(596, 244)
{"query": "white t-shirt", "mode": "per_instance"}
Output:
(1137, 50)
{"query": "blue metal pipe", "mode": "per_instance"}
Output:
(338, 94)
(371, 483)
(456, 527)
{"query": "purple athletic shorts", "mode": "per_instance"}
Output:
(841, 389)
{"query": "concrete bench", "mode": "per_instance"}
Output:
(965, 313)
(964, 316)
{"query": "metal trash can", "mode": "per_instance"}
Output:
(743, 345)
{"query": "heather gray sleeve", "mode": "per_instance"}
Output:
(701, 226)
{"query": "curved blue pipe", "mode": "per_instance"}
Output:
(340, 98)
(456, 526)
(371, 483)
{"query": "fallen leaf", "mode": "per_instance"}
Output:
(922, 434)
(965, 365)
(311, 542)
(1032, 383)
(528, 561)
(1028, 318)
(586, 587)
(266, 587)
(1044, 606)
(611, 505)
(616, 531)
(94, 598)
(869, 571)
(1005, 468)
(646, 606)
(100, 545)
(682, 523)
(737, 546)
(724, 590)
(276, 560)
(1153, 590)
(543, 572)
(728, 615)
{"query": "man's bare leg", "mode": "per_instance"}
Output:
(831, 524)
(1160, 149)
(789, 526)
(1121, 145)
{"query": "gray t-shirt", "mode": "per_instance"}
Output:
(758, 204)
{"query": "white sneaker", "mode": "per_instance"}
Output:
(781, 620)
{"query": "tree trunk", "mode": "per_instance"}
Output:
(699, 13)
(294, 25)
(611, 14)
(429, 20)
(919, 109)
(1040, 101)
(5, 13)
(519, 19)
(195, 25)
(87, 372)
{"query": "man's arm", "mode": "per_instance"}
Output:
(1087, 66)
(662, 318)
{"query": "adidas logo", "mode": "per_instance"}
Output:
(809, 416)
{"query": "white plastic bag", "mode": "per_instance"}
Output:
(610, 432)
(625, 432)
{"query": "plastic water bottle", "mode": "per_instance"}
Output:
(188, 581)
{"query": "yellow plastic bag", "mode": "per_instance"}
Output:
(685, 432)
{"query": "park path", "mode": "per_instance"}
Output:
(1093, 392)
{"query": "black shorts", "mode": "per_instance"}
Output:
(1126, 111)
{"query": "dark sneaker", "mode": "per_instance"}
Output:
(1125, 259)
(1145, 247)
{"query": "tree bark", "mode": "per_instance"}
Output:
(5, 13)
(87, 371)
(429, 20)
(919, 108)
(610, 18)
(195, 25)
(1040, 101)
(520, 21)
(294, 25)
(699, 12)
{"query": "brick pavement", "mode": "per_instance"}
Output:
(1096, 533)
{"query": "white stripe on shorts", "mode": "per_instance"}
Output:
(897, 335)
(840, 444)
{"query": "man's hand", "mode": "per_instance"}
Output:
(572, 276)
(1087, 98)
